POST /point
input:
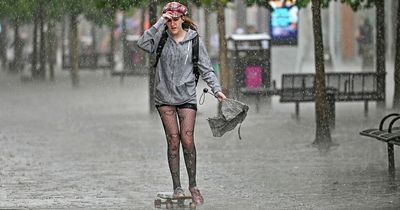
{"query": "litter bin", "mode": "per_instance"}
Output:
(249, 57)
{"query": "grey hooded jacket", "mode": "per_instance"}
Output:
(174, 80)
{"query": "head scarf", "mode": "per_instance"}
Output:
(176, 9)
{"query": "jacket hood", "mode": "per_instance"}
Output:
(191, 34)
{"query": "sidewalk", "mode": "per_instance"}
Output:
(97, 147)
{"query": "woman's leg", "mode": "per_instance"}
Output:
(187, 118)
(169, 120)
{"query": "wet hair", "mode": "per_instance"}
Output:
(188, 23)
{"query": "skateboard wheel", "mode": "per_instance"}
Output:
(168, 205)
(181, 203)
(157, 203)
(192, 205)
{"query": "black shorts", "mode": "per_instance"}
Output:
(182, 106)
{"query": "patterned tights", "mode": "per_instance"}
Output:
(179, 128)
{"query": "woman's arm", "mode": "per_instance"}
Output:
(208, 73)
(150, 38)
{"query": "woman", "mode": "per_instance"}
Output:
(175, 88)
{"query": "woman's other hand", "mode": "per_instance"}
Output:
(220, 96)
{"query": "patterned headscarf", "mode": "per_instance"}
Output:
(175, 8)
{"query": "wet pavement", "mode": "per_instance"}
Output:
(97, 147)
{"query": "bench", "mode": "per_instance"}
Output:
(121, 74)
(92, 61)
(389, 135)
(345, 86)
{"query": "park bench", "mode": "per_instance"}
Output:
(91, 61)
(342, 86)
(389, 134)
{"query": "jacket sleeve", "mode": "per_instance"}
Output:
(206, 70)
(150, 38)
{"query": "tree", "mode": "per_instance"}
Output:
(18, 12)
(34, 56)
(102, 13)
(380, 51)
(3, 43)
(223, 50)
(74, 8)
(112, 6)
(152, 69)
(396, 97)
(380, 42)
(323, 134)
(54, 14)
(41, 13)
(261, 3)
(42, 50)
(74, 43)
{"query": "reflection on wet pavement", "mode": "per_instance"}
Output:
(97, 147)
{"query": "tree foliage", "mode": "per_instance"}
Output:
(354, 4)
(261, 3)
(17, 11)
(359, 4)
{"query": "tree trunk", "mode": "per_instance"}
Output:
(42, 52)
(207, 28)
(95, 54)
(380, 52)
(112, 47)
(112, 42)
(52, 48)
(34, 69)
(3, 44)
(396, 98)
(63, 38)
(18, 47)
(323, 135)
(125, 48)
(223, 59)
(74, 50)
(394, 7)
(152, 69)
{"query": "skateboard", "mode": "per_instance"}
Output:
(167, 199)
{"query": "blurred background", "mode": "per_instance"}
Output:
(76, 93)
(39, 33)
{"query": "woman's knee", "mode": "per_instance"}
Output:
(187, 139)
(173, 140)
